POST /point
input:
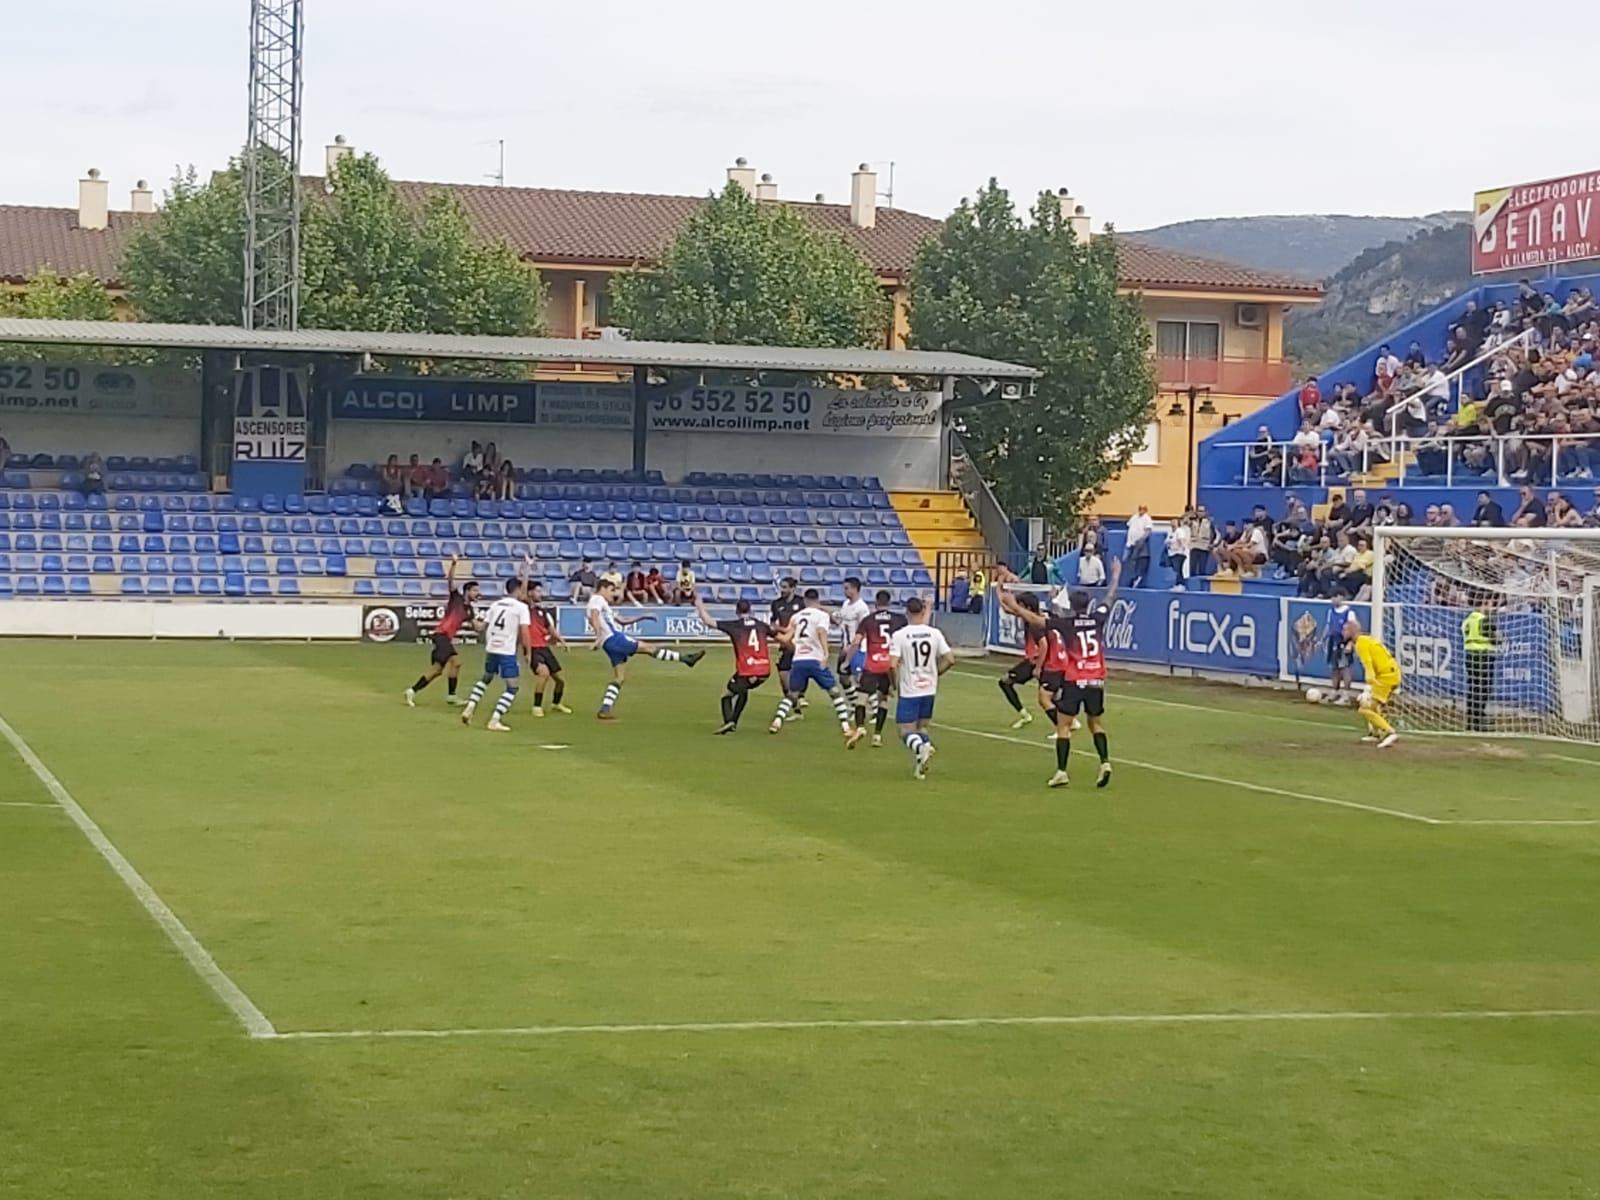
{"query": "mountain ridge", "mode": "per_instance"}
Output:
(1311, 245)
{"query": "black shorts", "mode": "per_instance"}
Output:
(746, 683)
(543, 656)
(1052, 681)
(874, 681)
(443, 649)
(1089, 697)
(786, 658)
(1022, 672)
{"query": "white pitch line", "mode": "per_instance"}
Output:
(1524, 821)
(1193, 1018)
(1201, 777)
(1572, 758)
(196, 955)
(26, 804)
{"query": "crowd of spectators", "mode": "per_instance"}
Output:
(1532, 415)
(482, 469)
(639, 586)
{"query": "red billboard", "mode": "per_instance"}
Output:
(1536, 224)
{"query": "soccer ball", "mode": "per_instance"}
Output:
(1314, 695)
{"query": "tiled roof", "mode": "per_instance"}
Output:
(608, 228)
(33, 238)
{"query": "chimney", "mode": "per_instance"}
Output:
(821, 199)
(336, 152)
(766, 189)
(743, 174)
(1077, 216)
(864, 197)
(142, 200)
(94, 201)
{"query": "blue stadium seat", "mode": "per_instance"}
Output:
(158, 585)
(255, 566)
(79, 585)
(309, 566)
(384, 567)
(281, 545)
(132, 586)
(260, 587)
(276, 526)
(407, 568)
(288, 587)
(183, 586)
(286, 566)
(51, 563)
(363, 587)
(388, 587)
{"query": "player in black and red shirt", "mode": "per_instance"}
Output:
(544, 634)
(752, 657)
(458, 611)
(1077, 641)
(873, 687)
(1033, 648)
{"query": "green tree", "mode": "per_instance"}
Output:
(368, 260)
(753, 274)
(1029, 291)
(48, 296)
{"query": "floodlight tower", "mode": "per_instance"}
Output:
(272, 166)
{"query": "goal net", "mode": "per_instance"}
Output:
(1530, 667)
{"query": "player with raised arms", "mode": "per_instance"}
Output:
(780, 613)
(1383, 680)
(752, 657)
(611, 635)
(1026, 668)
(872, 642)
(545, 635)
(918, 655)
(1079, 645)
(809, 629)
(505, 636)
(445, 658)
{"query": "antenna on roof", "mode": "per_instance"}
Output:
(888, 196)
(499, 176)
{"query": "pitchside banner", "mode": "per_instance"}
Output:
(415, 620)
(90, 389)
(1536, 224)
(876, 412)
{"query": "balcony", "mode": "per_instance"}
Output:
(1225, 376)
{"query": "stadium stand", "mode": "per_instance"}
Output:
(158, 532)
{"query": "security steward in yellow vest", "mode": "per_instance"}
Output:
(1480, 642)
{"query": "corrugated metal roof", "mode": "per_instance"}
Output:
(688, 355)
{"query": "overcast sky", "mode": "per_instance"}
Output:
(1150, 111)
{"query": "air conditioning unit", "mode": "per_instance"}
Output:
(1249, 316)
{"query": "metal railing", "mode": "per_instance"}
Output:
(993, 523)
(1505, 459)
(1452, 382)
(976, 565)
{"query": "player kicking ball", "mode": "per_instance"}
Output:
(505, 636)
(545, 635)
(809, 630)
(918, 655)
(1383, 680)
(446, 659)
(611, 635)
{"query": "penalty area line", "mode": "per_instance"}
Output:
(1201, 777)
(932, 1023)
(197, 956)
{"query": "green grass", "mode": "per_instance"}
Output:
(353, 865)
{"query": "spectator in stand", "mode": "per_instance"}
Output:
(1563, 514)
(1310, 396)
(1202, 536)
(472, 465)
(1361, 511)
(1433, 517)
(1137, 556)
(506, 481)
(1529, 509)
(655, 585)
(1306, 465)
(491, 460)
(1357, 576)
(684, 593)
(612, 575)
(416, 477)
(1593, 519)
(584, 581)
(438, 484)
(1092, 537)
(94, 474)
(1178, 552)
(636, 588)
(1038, 567)
(484, 489)
(1287, 550)
(1248, 555)
(1448, 518)
(392, 478)
(1266, 460)
(1316, 557)
(1415, 357)
(1488, 514)
(1385, 372)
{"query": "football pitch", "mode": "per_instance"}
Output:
(265, 932)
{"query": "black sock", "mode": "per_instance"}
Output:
(561, 690)
(1102, 747)
(538, 699)
(422, 682)
(1010, 690)
(1051, 715)
(450, 682)
(861, 716)
(739, 702)
(727, 709)
(883, 715)
(1063, 752)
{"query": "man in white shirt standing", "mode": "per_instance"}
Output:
(1140, 527)
(809, 630)
(506, 634)
(852, 612)
(918, 655)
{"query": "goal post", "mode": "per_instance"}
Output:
(1531, 668)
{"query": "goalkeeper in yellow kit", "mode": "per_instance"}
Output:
(1383, 680)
